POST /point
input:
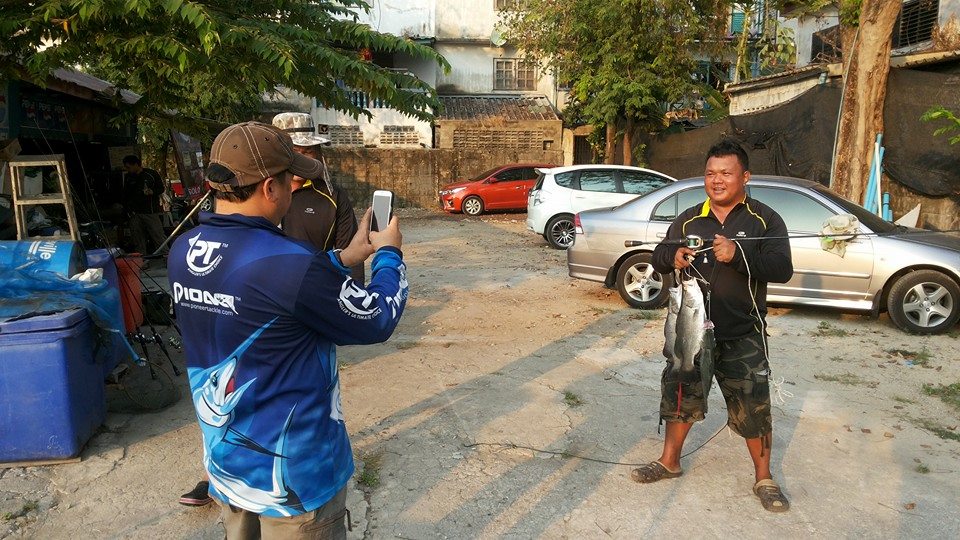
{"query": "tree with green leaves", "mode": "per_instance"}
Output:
(213, 57)
(944, 115)
(622, 60)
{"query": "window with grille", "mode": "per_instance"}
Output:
(514, 74)
(917, 20)
(826, 45)
(737, 19)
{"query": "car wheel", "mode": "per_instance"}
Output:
(472, 206)
(640, 285)
(924, 302)
(560, 232)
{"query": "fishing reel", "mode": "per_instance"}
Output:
(693, 241)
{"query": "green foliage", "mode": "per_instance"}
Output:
(571, 399)
(944, 432)
(621, 59)
(213, 57)
(801, 8)
(826, 329)
(945, 115)
(369, 477)
(850, 12)
(949, 394)
(778, 49)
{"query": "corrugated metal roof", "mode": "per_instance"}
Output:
(776, 79)
(90, 82)
(921, 59)
(502, 107)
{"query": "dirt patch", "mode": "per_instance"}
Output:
(505, 373)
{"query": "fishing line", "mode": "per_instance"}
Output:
(845, 237)
(513, 446)
(777, 385)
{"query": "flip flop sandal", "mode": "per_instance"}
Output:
(651, 472)
(770, 496)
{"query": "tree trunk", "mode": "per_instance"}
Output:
(628, 142)
(743, 45)
(164, 154)
(608, 157)
(861, 115)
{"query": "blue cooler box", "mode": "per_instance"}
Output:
(51, 387)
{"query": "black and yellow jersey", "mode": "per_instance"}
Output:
(731, 308)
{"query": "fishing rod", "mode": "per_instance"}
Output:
(159, 251)
(694, 241)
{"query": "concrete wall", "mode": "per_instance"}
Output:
(465, 19)
(409, 18)
(552, 130)
(935, 212)
(415, 176)
(472, 70)
(949, 8)
(764, 98)
(373, 128)
(805, 28)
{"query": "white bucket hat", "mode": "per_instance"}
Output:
(300, 127)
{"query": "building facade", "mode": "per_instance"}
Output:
(468, 36)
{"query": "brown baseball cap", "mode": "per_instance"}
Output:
(253, 151)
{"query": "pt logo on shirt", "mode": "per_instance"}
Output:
(357, 302)
(202, 255)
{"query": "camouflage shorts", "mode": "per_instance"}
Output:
(742, 372)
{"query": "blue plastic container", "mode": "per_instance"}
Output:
(60, 257)
(51, 387)
(113, 352)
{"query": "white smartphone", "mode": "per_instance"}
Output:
(382, 210)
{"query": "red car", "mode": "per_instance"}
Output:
(501, 188)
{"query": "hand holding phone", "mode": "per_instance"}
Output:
(382, 210)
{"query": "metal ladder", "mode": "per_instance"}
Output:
(21, 202)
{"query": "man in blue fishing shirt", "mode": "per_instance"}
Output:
(261, 316)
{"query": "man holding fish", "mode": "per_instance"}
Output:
(735, 275)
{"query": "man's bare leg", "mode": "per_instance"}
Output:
(771, 497)
(673, 444)
(759, 449)
(668, 466)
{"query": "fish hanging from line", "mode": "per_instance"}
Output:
(687, 331)
(670, 326)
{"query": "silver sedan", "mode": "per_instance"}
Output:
(914, 277)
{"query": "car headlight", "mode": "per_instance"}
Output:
(451, 191)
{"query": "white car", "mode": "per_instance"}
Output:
(561, 192)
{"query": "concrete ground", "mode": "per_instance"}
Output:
(511, 400)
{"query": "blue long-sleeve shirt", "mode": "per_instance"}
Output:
(261, 315)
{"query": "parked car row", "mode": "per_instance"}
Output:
(500, 188)
(914, 277)
(562, 192)
(592, 210)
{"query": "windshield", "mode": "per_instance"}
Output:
(485, 174)
(872, 221)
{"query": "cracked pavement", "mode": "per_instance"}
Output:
(500, 350)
